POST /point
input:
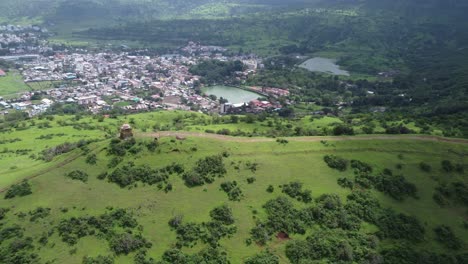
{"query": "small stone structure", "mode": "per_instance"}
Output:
(126, 132)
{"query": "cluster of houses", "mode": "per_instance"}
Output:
(100, 81)
(22, 39)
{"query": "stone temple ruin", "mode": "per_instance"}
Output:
(126, 132)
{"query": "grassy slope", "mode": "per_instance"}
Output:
(14, 167)
(278, 165)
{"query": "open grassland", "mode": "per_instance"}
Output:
(277, 164)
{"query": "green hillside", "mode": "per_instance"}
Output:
(73, 209)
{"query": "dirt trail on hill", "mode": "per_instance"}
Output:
(182, 135)
(49, 169)
(301, 139)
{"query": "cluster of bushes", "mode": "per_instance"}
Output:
(455, 192)
(3, 212)
(232, 190)
(448, 166)
(425, 167)
(49, 154)
(395, 186)
(15, 248)
(336, 162)
(172, 256)
(51, 136)
(391, 224)
(220, 226)
(119, 147)
(106, 226)
(21, 189)
(7, 141)
(77, 175)
(205, 171)
(282, 216)
(399, 226)
(39, 213)
(98, 260)
(91, 159)
(19, 250)
(130, 174)
(334, 246)
(126, 243)
(294, 190)
(445, 235)
(329, 212)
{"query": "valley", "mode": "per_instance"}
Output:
(233, 131)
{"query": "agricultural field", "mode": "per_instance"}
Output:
(98, 175)
(12, 84)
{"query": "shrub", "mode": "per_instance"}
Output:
(21, 190)
(447, 166)
(361, 167)
(294, 190)
(222, 214)
(77, 175)
(205, 171)
(394, 185)
(38, 213)
(98, 260)
(445, 235)
(91, 159)
(335, 162)
(399, 226)
(232, 190)
(345, 183)
(270, 189)
(425, 167)
(3, 212)
(126, 243)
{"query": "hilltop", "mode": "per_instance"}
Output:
(212, 197)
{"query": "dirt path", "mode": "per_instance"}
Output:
(302, 139)
(61, 164)
(255, 139)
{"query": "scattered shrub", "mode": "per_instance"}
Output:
(126, 243)
(270, 189)
(77, 175)
(232, 189)
(21, 190)
(91, 159)
(336, 162)
(294, 190)
(98, 260)
(445, 235)
(425, 167)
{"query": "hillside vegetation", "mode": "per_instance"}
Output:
(92, 197)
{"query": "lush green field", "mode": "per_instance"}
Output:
(11, 84)
(277, 164)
